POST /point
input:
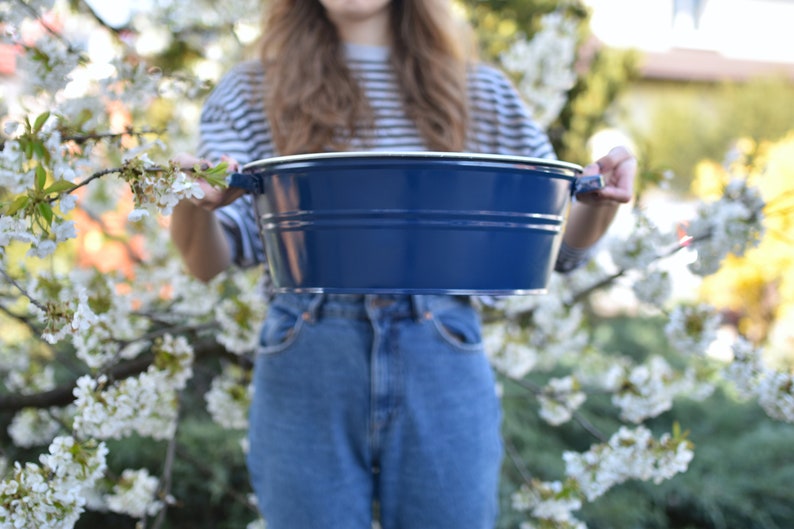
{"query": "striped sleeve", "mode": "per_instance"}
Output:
(501, 120)
(234, 125)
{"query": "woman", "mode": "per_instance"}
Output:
(363, 401)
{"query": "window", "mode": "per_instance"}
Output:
(686, 15)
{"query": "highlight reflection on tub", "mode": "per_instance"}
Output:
(282, 251)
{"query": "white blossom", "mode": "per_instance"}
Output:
(30, 377)
(42, 248)
(158, 190)
(645, 244)
(514, 359)
(654, 288)
(753, 379)
(33, 427)
(549, 502)
(50, 62)
(11, 127)
(240, 316)
(137, 215)
(776, 395)
(257, 524)
(544, 65)
(12, 15)
(66, 204)
(692, 328)
(13, 229)
(134, 494)
(560, 399)
(556, 331)
(729, 225)
(15, 175)
(50, 495)
(96, 335)
(603, 372)
(649, 389)
(746, 369)
(63, 230)
(629, 454)
(28, 498)
(229, 397)
(145, 404)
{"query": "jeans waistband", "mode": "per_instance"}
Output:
(358, 306)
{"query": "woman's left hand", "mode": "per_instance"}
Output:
(619, 168)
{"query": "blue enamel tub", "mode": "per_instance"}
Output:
(412, 223)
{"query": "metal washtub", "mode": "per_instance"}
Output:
(412, 222)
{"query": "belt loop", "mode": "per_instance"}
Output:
(419, 307)
(313, 310)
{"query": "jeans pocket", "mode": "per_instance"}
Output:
(459, 326)
(280, 330)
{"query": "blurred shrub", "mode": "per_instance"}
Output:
(689, 124)
(739, 479)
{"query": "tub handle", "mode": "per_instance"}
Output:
(250, 182)
(588, 184)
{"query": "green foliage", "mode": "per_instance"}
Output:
(762, 109)
(497, 22)
(690, 124)
(739, 479)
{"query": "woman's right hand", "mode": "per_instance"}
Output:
(214, 197)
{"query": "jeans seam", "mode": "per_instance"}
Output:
(463, 347)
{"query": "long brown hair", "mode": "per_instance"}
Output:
(313, 102)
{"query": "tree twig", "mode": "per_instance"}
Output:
(22, 290)
(21, 319)
(580, 419)
(164, 487)
(518, 462)
(39, 18)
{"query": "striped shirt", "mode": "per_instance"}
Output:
(234, 124)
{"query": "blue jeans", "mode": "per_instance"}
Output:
(374, 400)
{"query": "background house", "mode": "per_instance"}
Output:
(700, 40)
(688, 47)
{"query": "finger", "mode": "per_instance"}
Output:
(233, 164)
(615, 194)
(186, 160)
(614, 158)
(233, 194)
(591, 169)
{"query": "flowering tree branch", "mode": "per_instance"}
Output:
(536, 390)
(64, 394)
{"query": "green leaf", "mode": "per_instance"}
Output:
(19, 203)
(215, 176)
(40, 121)
(46, 212)
(220, 169)
(41, 152)
(41, 177)
(216, 181)
(61, 186)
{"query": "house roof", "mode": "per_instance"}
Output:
(681, 64)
